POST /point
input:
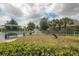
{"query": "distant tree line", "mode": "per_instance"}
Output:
(56, 24)
(62, 24)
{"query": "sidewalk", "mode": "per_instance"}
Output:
(10, 40)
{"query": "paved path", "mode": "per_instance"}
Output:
(12, 38)
(2, 36)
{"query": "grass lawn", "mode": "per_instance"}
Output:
(41, 45)
(50, 39)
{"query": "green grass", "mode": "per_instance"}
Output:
(41, 45)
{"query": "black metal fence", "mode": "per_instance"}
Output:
(16, 34)
(64, 33)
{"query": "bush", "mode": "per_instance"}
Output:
(24, 49)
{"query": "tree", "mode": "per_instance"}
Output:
(11, 25)
(44, 23)
(52, 25)
(59, 23)
(37, 27)
(67, 21)
(56, 24)
(31, 26)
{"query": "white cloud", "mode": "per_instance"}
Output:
(68, 9)
(33, 11)
(4, 19)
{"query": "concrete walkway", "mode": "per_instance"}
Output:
(10, 40)
(2, 38)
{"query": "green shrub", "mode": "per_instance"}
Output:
(24, 49)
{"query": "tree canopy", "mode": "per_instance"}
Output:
(11, 25)
(31, 26)
(44, 23)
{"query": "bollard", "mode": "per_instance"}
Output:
(23, 34)
(6, 36)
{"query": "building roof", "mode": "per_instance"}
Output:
(2, 26)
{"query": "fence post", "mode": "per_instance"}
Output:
(74, 33)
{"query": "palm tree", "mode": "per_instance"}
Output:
(59, 23)
(56, 23)
(67, 21)
(52, 24)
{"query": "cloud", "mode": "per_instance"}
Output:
(71, 9)
(4, 19)
(26, 12)
(68, 9)
(33, 12)
(9, 8)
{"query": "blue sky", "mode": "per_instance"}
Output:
(23, 13)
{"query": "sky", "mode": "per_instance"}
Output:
(24, 13)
